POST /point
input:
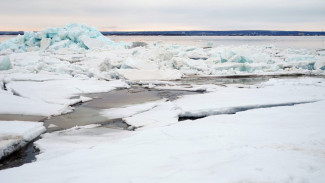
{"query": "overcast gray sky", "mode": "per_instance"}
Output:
(123, 15)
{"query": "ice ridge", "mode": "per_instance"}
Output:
(72, 36)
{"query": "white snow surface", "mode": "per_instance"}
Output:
(280, 144)
(61, 91)
(231, 99)
(47, 94)
(126, 111)
(164, 114)
(79, 138)
(16, 134)
(11, 104)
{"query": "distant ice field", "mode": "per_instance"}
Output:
(301, 42)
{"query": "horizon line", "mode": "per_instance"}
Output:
(229, 30)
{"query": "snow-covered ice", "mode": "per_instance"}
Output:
(162, 115)
(62, 91)
(270, 131)
(281, 144)
(80, 138)
(126, 111)
(272, 93)
(12, 104)
(49, 97)
(16, 134)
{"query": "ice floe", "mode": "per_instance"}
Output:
(16, 134)
(126, 111)
(227, 100)
(162, 115)
(62, 91)
(12, 104)
(48, 94)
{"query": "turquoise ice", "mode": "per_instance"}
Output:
(70, 36)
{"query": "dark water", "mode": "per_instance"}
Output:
(89, 112)
(18, 117)
(25, 155)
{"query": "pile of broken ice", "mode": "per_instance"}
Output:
(82, 51)
(73, 36)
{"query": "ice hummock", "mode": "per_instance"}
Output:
(5, 63)
(71, 36)
(73, 50)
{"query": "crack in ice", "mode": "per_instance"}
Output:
(233, 110)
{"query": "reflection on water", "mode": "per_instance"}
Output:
(79, 117)
(121, 97)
